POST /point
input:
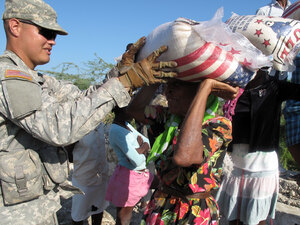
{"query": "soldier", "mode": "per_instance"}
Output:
(39, 114)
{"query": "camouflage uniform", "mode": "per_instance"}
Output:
(38, 115)
(38, 112)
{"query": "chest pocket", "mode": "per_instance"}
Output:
(21, 176)
(23, 96)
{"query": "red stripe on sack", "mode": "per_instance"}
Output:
(192, 56)
(220, 71)
(291, 9)
(205, 65)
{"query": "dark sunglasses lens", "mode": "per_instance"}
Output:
(48, 34)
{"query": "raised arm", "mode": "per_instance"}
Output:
(189, 148)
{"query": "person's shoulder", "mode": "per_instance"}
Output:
(9, 69)
(263, 10)
(6, 64)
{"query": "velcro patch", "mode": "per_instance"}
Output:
(17, 74)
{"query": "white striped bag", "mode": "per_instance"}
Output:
(293, 11)
(276, 36)
(196, 58)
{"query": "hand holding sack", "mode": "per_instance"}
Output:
(276, 36)
(145, 72)
(198, 58)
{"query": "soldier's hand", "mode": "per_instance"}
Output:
(147, 71)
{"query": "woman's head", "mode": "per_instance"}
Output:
(121, 114)
(180, 95)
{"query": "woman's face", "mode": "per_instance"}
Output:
(180, 96)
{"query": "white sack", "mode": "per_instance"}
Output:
(276, 36)
(197, 57)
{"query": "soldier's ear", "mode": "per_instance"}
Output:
(14, 27)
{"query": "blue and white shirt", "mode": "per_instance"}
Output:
(272, 9)
(124, 143)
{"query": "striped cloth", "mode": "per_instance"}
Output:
(198, 58)
(210, 61)
(293, 11)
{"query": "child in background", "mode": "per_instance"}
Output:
(91, 176)
(130, 180)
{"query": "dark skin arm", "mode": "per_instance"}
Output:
(144, 146)
(189, 148)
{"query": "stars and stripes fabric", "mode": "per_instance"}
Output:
(275, 36)
(197, 58)
(210, 61)
(293, 11)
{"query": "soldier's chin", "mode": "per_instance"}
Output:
(44, 61)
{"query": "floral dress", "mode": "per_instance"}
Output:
(167, 209)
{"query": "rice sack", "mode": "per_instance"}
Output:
(276, 36)
(197, 58)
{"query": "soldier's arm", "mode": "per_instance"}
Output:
(61, 122)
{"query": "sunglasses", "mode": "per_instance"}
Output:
(48, 34)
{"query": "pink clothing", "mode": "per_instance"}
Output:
(126, 187)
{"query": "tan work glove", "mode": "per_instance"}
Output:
(146, 71)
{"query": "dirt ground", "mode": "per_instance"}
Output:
(109, 216)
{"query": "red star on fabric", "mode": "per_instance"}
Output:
(266, 43)
(246, 63)
(233, 51)
(259, 21)
(258, 32)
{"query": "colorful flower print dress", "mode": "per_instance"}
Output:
(167, 209)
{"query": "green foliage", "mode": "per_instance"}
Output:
(286, 159)
(93, 72)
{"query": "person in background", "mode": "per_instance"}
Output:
(39, 114)
(248, 194)
(90, 174)
(131, 179)
(190, 150)
(292, 121)
(292, 107)
(275, 8)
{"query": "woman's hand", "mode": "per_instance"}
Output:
(220, 89)
(144, 146)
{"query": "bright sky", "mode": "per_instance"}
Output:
(106, 27)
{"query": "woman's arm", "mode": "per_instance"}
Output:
(189, 148)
